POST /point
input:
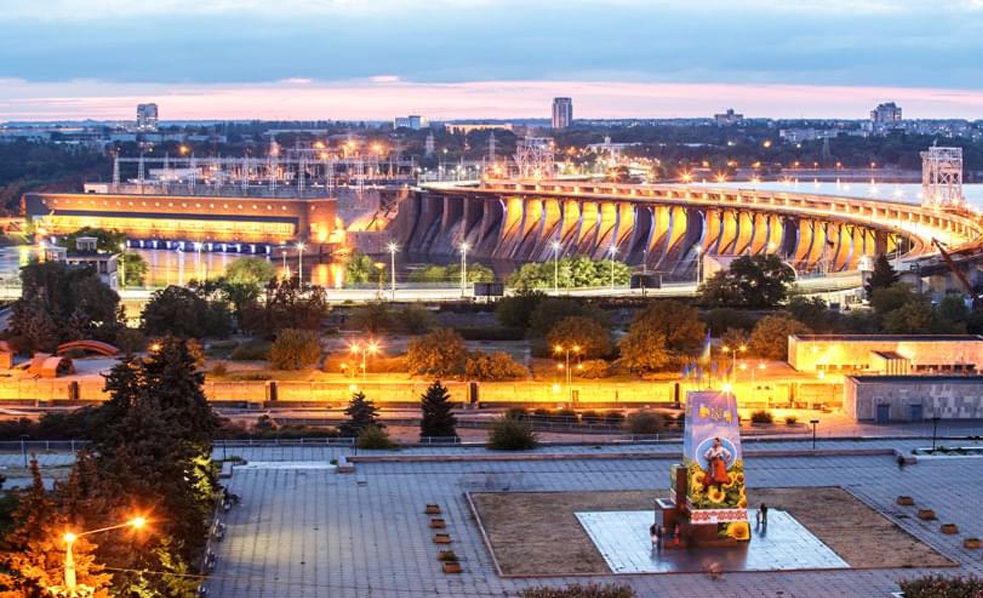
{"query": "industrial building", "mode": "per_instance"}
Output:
(888, 354)
(884, 399)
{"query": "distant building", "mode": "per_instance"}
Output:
(728, 119)
(86, 254)
(465, 128)
(562, 113)
(886, 114)
(146, 117)
(886, 354)
(412, 121)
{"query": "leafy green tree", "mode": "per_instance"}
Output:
(287, 305)
(373, 317)
(677, 321)
(361, 413)
(569, 272)
(643, 349)
(755, 281)
(133, 270)
(494, 366)
(883, 276)
(106, 240)
(437, 419)
(888, 299)
(60, 303)
(185, 312)
(813, 312)
(721, 319)
(552, 310)
(516, 310)
(358, 268)
(511, 434)
(295, 349)
(372, 437)
(440, 353)
(593, 339)
(769, 339)
(414, 319)
(252, 271)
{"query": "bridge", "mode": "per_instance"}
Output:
(667, 227)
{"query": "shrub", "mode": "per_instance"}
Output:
(447, 556)
(762, 417)
(593, 369)
(614, 417)
(440, 353)
(934, 586)
(254, 350)
(219, 369)
(295, 349)
(517, 413)
(373, 437)
(644, 422)
(508, 434)
(791, 420)
(591, 590)
(493, 366)
(414, 319)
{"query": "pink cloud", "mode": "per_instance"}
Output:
(383, 97)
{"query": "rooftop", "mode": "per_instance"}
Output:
(917, 379)
(876, 338)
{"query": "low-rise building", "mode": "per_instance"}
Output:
(884, 399)
(888, 354)
(87, 254)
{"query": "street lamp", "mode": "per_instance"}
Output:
(393, 248)
(935, 428)
(575, 349)
(556, 267)
(733, 359)
(699, 265)
(71, 587)
(283, 254)
(300, 262)
(365, 349)
(198, 247)
(464, 268)
(814, 422)
(612, 251)
(761, 366)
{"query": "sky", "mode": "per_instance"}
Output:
(460, 59)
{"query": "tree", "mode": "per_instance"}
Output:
(882, 277)
(133, 271)
(54, 294)
(287, 305)
(593, 339)
(684, 333)
(643, 349)
(361, 413)
(511, 434)
(373, 317)
(516, 310)
(551, 310)
(106, 240)
(916, 316)
(494, 366)
(295, 349)
(186, 312)
(33, 553)
(888, 299)
(358, 268)
(440, 353)
(755, 281)
(769, 339)
(437, 418)
(813, 312)
(252, 271)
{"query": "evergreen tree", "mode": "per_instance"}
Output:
(361, 412)
(435, 405)
(883, 276)
(32, 559)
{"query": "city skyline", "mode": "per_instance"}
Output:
(306, 59)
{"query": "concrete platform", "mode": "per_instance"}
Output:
(622, 538)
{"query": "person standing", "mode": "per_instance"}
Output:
(717, 458)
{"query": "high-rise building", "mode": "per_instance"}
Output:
(562, 113)
(146, 117)
(412, 121)
(728, 119)
(886, 114)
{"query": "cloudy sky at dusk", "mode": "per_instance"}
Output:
(373, 59)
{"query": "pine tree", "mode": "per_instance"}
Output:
(883, 276)
(435, 405)
(33, 557)
(361, 412)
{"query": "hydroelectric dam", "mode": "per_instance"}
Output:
(667, 228)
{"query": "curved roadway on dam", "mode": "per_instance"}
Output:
(667, 227)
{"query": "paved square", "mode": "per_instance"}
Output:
(622, 537)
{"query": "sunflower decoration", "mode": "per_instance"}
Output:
(716, 495)
(731, 480)
(739, 530)
(696, 479)
(742, 503)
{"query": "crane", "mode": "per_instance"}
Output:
(977, 305)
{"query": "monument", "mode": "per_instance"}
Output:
(707, 504)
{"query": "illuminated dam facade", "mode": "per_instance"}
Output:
(667, 227)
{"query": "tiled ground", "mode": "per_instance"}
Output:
(313, 532)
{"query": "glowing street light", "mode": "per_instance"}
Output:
(300, 262)
(575, 349)
(393, 248)
(365, 349)
(464, 268)
(71, 587)
(733, 351)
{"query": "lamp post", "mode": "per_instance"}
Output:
(699, 265)
(575, 349)
(283, 254)
(393, 248)
(814, 422)
(612, 252)
(23, 447)
(556, 267)
(761, 366)
(733, 359)
(198, 246)
(365, 349)
(300, 262)
(71, 587)
(464, 268)
(935, 429)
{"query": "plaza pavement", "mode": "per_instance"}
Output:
(313, 532)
